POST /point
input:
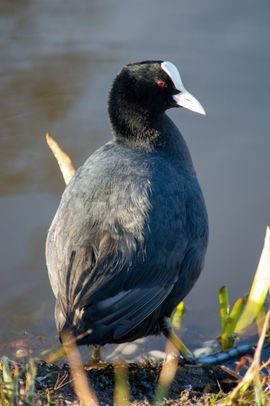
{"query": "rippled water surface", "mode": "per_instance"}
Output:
(57, 61)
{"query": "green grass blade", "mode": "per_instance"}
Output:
(48, 399)
(121, 390)
(31, 372)
(2, 395)
(259, 288)
(9, 382)
(224, 306)
(258, 390)
(178, 315)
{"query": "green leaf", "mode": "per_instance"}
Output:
(223, 306)
(259, 288)
(227, 337)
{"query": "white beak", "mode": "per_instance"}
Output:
(185, 99)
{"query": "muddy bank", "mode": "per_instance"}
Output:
(193, 384)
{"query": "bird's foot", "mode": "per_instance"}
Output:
(96, 354)
(95, 360)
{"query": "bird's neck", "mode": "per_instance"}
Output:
(134, 125)
(140, 129)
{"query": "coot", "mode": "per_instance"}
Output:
(129, 238)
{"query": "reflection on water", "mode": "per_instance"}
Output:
(57, 63)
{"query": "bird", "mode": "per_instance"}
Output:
(129, 237)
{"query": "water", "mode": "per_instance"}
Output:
(57, 61)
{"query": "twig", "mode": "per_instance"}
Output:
(61, 381)
(254, 368)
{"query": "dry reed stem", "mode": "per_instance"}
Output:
(64, 161)
(170, 364)
(168, 372)
(85, 393)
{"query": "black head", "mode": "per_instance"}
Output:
(140, 94)
(155, 86)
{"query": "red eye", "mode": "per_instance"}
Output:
(161, 83)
